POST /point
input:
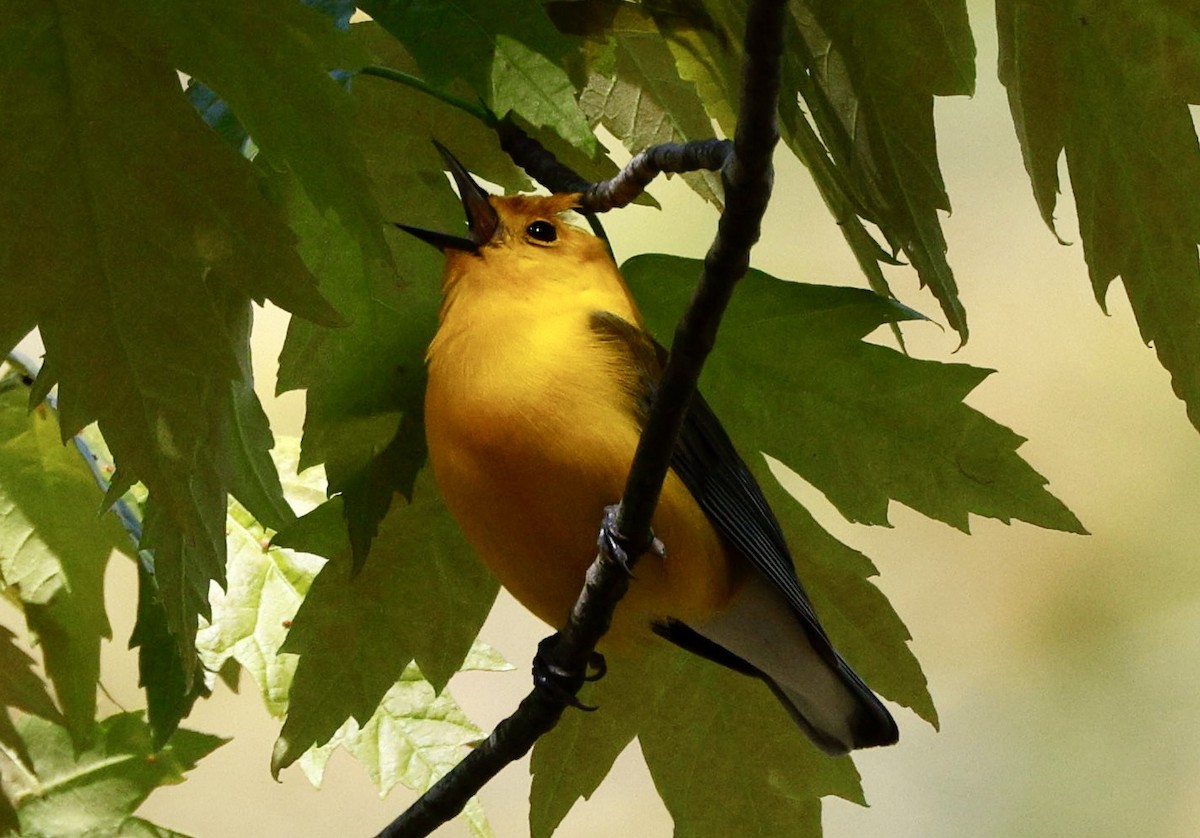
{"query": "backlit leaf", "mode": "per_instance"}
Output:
(421, 597)
(54, 548)
(725, 757)
(863, 423)
(1112, 90)
(95, 791)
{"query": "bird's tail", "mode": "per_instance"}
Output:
(761, 635)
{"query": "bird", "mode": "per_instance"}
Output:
(540, 377)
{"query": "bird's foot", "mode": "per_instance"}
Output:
(613, 543)
(562, 683)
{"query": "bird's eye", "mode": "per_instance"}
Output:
(543, 231)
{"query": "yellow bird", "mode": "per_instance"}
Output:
(540, 378)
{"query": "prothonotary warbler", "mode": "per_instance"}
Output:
(540, 378)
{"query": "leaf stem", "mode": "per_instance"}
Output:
(479, 111)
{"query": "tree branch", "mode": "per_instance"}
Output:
(624, 187)
(537, 160)
(541, 164)
(747, 175)
(676, 158)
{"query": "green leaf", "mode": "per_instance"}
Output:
(706, 59)
(863, 423)
(54, 548)
(867, 630)
(266, 586)
(250, 471)
(156, 230)
(365, 384)
(400, 161)
(10, 824)
(294, 111)
(363, 381)
(526, 82)
(725, 757)
(186, 563)
(876, 67)
(509, 55)
(839, 198)
(415, 736)
(94, 791)
(422, 597)
(20, 686)
(23, 689)
(162, 673)
(1112, 90)
(138, 828)
(641, 97)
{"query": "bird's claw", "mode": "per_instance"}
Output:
(611, 543)
(559, 683)
(597, 667)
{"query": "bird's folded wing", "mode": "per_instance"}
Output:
(717, 477)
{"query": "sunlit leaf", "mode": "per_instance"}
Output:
(95, 791)
(54, 548)
(414, 737)
(638, 94)
(250, 619)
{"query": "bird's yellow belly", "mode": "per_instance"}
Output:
(529, 485)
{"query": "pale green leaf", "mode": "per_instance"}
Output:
(414, 737)
(54, 548)
(266, 584)
(528, 83)
(641, 97)
(96, 789)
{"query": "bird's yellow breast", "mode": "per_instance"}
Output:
(531, 434)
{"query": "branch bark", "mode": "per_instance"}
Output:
(624, 187)
(747, 175)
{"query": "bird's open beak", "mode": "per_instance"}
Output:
(482, 220)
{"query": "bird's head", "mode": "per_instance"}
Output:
(522, 237)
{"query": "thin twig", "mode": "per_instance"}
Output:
(675, 158)
(541, 164)
(624, 187)
(747, 176)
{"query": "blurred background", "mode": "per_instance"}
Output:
(1066, 669)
